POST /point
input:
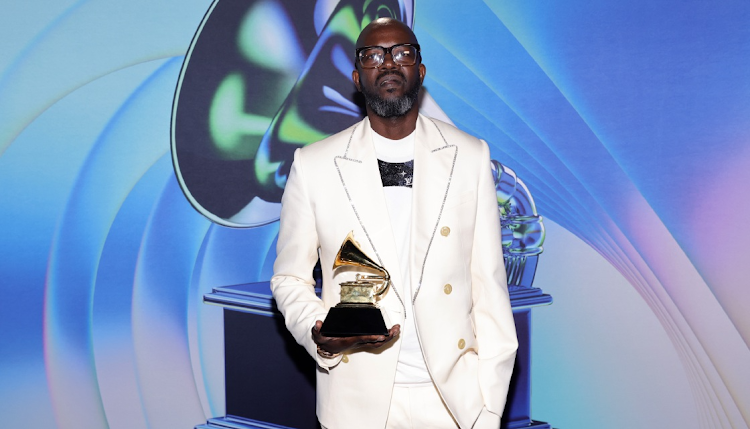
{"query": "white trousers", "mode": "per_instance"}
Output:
(418, 407)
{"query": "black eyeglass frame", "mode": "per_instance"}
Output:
(387, 51)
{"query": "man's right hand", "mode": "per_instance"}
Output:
(335, 345)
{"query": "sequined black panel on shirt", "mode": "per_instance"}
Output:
(396, 173)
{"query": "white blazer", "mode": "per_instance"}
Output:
(466, 330)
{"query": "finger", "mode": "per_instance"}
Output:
(375, 344)
(376, 341)
(392, 333)
(316, 335)
(368, 339)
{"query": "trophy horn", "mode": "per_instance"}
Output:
(351, 255)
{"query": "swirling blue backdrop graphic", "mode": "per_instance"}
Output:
(629, 122)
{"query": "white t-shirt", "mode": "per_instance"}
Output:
(396, 162)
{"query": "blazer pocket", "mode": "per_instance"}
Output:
(461, 199)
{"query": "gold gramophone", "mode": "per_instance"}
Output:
(358, 312)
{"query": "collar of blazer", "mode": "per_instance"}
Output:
(434, 162)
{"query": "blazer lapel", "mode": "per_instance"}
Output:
(360, 177)
(434, 162)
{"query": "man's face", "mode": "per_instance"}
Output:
(390, 90)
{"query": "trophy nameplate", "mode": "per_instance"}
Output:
(358, 312)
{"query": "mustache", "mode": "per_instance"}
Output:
(389, 72)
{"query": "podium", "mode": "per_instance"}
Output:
(270, 379)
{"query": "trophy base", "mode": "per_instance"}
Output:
(349, 320)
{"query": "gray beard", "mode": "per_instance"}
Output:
(392, 108)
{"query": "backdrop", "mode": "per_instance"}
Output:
(628, 121)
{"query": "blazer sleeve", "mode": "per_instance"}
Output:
(493, 317)
(292, 284)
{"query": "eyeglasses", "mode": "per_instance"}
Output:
(403, 54)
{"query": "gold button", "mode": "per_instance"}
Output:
(444, 231)
(461, 344)
(448, 289)
(345, 359)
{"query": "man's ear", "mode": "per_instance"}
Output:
(355, 78)
(422, 72)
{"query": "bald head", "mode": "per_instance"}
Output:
(382, 27)
(389, 79)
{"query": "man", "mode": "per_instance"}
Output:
(419, 196)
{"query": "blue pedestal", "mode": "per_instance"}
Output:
(517, 412)
(270, 380)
